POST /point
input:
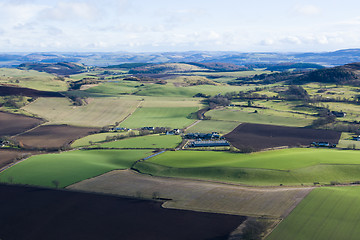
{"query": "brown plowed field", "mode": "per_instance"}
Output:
(43, 214)
(11, 124)
(53, 136)
(7, 155)
(260, 136)
(9, 90)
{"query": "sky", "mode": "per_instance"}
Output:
(186, 25)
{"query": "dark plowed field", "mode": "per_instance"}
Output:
(53, 136)
(43, 214)
(7, 90)
(7, 156)
(259, 136)
(11, 124)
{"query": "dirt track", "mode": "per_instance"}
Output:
(260, 136)
(43, 214)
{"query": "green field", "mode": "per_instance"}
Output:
(150, 141)
(262, 116)
(31, 79)
(98, 112)
(98, 138)
(206, 126)
(173, 117)
(70, 167)
(325, 214)
(287, 167)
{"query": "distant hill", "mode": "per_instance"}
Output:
(61, 68)
(346, 74)
(335, 58)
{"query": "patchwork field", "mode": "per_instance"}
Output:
(206, 126)
(96, 138)
(97, 113)
(8, 156)
(53, 136)
(150, 141)
(11, 124)
(260, 116)
(70, 167)
(58, 215)
(326, 213)
(272, 168)
(173, 117)
(31, 79)
(260, 136)
(198, 195)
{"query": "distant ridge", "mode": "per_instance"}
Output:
(329, 59)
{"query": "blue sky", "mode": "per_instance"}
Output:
(159, 25)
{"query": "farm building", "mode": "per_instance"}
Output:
(357, 138)
(322, 144)
(202, 136)
(173, 132)
(147, 128)
(220, 143)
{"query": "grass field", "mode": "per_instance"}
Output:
(97, 138)
(150, 141)
(262, 116)
(98, 112)
(221, 127)
(325, 214)
(31, 79)
(70, 167)
(287, 167)
(173, 117)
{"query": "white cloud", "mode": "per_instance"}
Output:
(307, 9)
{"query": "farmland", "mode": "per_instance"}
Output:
(179, 117)
(31, 79)
(213, 125)
(11, 124)
(42, 213)
(326, 213)
(70, 167)
(198, 195)
(259, 136)
(274, 168)
(97, 113)
(52, 136)
(152, 141)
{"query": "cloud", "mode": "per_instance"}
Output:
(307, 9)
(70, 11)
(291, 40)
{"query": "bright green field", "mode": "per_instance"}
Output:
(263, 116)
(325, 214)
(150, 141)
(70, 167)
(288, 166)
(32, 79)
(173, 117)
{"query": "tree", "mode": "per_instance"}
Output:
(55, 183)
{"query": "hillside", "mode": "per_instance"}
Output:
(61, 68)
(346, 74)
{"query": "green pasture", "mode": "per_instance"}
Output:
(69, 167)
(97, 112)
(150, 141)
(325, 214)
(119, 87)
(98, 138)
(31, 79)
(287, 167)
(173, 117)
(261, 116)
(206, 126)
